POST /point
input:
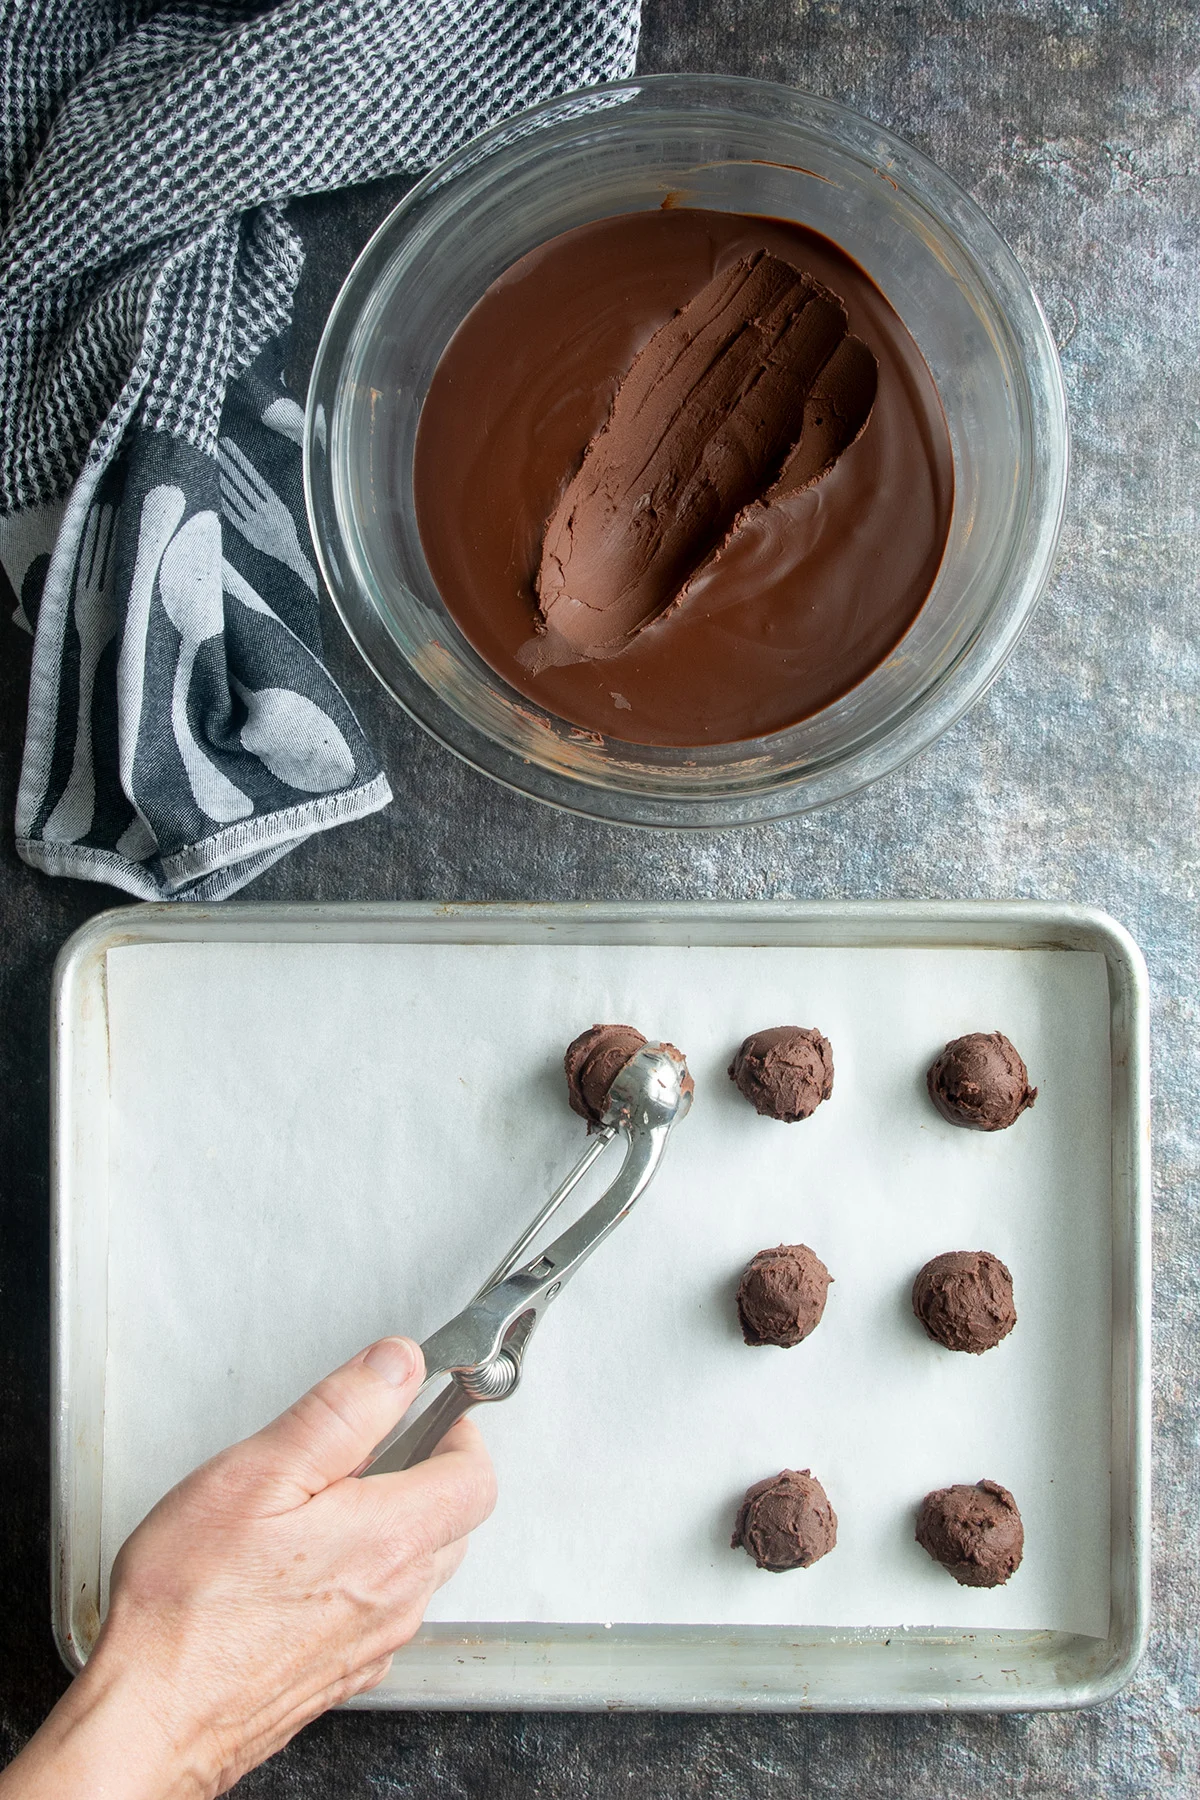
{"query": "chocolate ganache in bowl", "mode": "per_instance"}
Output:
(687, 452)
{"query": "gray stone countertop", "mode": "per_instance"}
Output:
(1074, 126)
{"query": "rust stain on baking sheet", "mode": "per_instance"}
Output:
(88, 1622)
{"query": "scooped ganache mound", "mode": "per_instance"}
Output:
(964, 1299)
(784, 1072)
(974, 1532)
(592, 1063)
(981, 1082)
(781, 1296)
(786, 1522)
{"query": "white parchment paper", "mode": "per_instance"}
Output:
(313, 1146)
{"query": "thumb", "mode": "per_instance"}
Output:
(326, 1434)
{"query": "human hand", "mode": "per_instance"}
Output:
(266, 1587)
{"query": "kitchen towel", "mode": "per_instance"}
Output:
(183, 731)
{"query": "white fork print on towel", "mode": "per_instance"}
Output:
(189, 584)
(256, 510)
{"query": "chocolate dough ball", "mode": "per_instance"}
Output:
(785, 1522)
(975, 1532)
(782, 1295)
(593, 1062)
(785, 1072)
(980, 1081)
(964, 1299)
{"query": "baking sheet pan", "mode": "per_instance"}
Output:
(312, 1019)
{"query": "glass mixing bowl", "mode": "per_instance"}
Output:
(739, 146)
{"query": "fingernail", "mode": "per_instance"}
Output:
(393, 1358)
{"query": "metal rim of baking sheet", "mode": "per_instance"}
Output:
(661, 1668)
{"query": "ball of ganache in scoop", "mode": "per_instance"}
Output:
(784, 1072)
(786, 1522)
(974, 1532)
(592, 1063)
(781, 1296)
(980, 1081)
(964, 1299)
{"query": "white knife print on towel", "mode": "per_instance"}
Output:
(189, 585)
(254, 508)
(285, 417)
(96, 625)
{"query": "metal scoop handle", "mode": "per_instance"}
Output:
(482, 1348)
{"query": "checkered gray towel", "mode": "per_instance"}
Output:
(183, 731)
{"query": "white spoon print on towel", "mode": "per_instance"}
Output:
(298, 742)
(292, 736)
(189, 584)
(255, 509)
